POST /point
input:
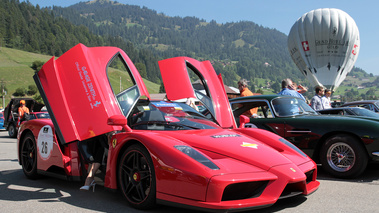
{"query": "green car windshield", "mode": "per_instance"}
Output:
(290, 106)
(364, 112)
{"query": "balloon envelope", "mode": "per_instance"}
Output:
(324, 44)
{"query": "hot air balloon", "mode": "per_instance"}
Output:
(324, 44)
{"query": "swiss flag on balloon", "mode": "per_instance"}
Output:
(305, 45)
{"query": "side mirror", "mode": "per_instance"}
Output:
(244, 120)
(119, 120)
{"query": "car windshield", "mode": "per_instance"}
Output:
(165, 115)
(365, 112)
(290, 106)
(43, 115)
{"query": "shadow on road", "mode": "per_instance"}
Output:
(369, 175)
(14, 186)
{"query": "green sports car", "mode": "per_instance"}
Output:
(343, 145)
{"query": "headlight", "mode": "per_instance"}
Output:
(197, 156)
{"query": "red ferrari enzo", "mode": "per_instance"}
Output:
(157, 152)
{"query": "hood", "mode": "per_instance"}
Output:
(185, 77)
(77, 91)
(233, 144)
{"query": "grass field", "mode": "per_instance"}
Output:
(16, 71)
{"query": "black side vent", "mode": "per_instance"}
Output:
(238, 191)
(293, 189)
(309, 175)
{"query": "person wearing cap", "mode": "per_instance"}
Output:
(22, 110)
(326, 99)
(244, 91)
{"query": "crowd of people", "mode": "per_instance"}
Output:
(321, 100)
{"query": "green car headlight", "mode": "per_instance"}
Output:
(197, 156)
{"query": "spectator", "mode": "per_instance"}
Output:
(288, 88)
(96, 148)
(326, 99)
(244, 91)
(316, 101)
(23, 111)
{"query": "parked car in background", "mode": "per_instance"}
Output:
(39, 115)
(2, 121)
(343, 145)
(350, 111)
(372, 105)
(11, 118)
(157, 151)
(336, 103)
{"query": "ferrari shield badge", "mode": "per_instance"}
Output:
(114, 142)
(250, 145)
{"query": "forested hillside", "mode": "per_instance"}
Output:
(26, 27)
(242, 49)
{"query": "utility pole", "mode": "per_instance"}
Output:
(3, 91)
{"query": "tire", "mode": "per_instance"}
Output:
(136, 177)
(12, 132)
(343, 156)
(29, 156)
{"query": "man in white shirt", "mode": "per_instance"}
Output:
(326, 99)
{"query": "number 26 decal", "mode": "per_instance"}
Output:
(45, 142)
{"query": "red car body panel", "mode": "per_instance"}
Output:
(198, 183)
(77, 88)
(242, 155)
(67, 159)
(173, 69)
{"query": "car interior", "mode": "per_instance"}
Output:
(264, 110)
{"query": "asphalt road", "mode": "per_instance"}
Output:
(19, 194)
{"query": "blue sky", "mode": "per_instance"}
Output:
(278, 14)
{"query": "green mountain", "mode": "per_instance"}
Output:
(237, 50)
(242, 49)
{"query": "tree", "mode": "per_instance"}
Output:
(161, 88)
(19, 92)
(141, 69)
(252, 87)
(37, 65)
(32, 90)
(37, 97)
(276, 87)
(260, 91)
